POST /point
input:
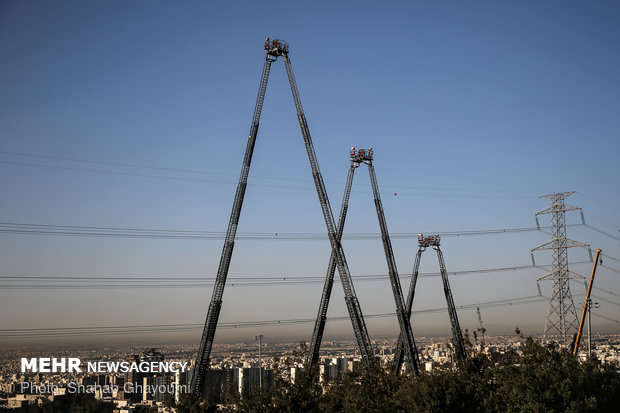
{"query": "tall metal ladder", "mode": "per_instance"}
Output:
(433, 241)
(358, 157)
(274, 49)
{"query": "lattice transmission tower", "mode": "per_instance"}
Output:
(561, 322)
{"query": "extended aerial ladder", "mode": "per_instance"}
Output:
(357, 158)
(274, 49)
(433, 241)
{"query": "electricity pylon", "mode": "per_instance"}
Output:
(561, 321)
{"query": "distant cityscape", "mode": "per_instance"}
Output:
(235, 369)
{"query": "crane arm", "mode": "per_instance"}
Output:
(585, 304)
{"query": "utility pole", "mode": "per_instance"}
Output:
(561, 316)
(590, 305)
(260, 360)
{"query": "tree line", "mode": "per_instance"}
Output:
(538, 378)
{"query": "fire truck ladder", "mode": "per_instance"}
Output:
(358, 157)
(457, 338)
(273, 49)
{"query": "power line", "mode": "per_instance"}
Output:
(177, 178)
(599, 201)
(101, 171)
(602, 232)
(606, 291)
(154, 233)
(257, 279)
(609, 268)
(151, 233)
(214, 181)
(606, 318)
(113, 163)
(610, 257)
(605, 300)
(157, 328)
(195, 171)
(69, 282)
(587, 248)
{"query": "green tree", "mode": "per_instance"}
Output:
(547, 378)
(370, 389)
(445, 390)
(540, 378)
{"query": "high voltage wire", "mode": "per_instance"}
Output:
(195, 171)
(136, 174)
(616, 207)
(112, 163)
(610, 257)
(605, 300)
(74, 230)
(117, 232)
(151, 233)
(606, 291)
(606, 318)
(202, 172)
(87, 231)
(609, 268)
(261, 279)
(196, 282)
(214, 181)
(602, 232)
(140, 329)
(603, 290)
(23, 333)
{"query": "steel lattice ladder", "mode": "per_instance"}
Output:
(433, 241)
(274, 49)
(358, 157)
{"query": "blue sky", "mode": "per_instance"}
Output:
(474, 111)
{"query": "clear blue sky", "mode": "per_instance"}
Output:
(474, 110)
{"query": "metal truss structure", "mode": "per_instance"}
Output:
(425, 241)
(274, 49)
(358, 157)
(561, 322)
